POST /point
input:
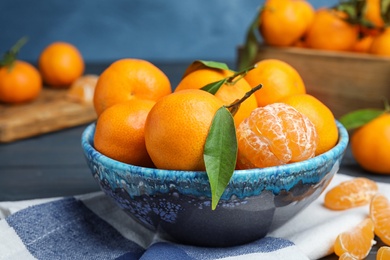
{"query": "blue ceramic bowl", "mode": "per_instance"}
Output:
(178, 203)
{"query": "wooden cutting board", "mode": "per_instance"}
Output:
(52, 111)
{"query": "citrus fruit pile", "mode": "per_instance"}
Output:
(142, 122)
(60, 65)
(254, 118)
(357, 26)
(357, 242)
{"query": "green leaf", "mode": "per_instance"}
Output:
(198, 64)
(359, 118)
(251, 44)
(220, 153)
(385, 11)
(214, 64)
(11, 55)
(214, 86)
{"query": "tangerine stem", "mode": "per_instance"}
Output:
(241, 73)
(233, 107)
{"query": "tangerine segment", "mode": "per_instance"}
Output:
(383, 253)
(83, 88)
(274, 135)
(347, 256)
(357, 241)
(352, 193)
(380, 215)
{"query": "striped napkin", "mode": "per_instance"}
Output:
(91, 226)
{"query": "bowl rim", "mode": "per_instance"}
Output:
(335, 152)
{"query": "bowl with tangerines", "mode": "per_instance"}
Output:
(206, 168)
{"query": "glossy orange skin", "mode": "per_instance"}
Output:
(363, 45)
(320, 115)
(120, 132)
(126, 79)
(284, 22)
(177, 127)
(60, 64)
(19, 83)
(370, 145)
(381, 44)
(279, 80)
(329, 31)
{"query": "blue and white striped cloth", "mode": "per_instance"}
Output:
(91, 226)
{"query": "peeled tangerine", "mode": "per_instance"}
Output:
(273, 135)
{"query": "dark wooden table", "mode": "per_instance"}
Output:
(53, 164)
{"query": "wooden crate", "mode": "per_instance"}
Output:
(343, 81)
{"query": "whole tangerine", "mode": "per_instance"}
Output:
(177, 127)
(284, 22)
(381, 44)
(320, 115)
(126, 79)
(370, 145)
(60, 64)
(330, 31)
(279, 80)
(19, 82)
(120, 134)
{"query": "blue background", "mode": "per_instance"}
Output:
(155, 30)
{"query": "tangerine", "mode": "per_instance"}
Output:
(370, 145)
(170, 123)
(19, 82)
(363, 44)
(284, 22)
(357, 241)
(383, 253)
(330, 31)
(320, 115)
(372, 14)
(381, 44)
(60, 63)
(279, 80)
(380, 215)
(120, 132)
(274, 135)
(227, 93)
(352, 193)
(126, 79)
